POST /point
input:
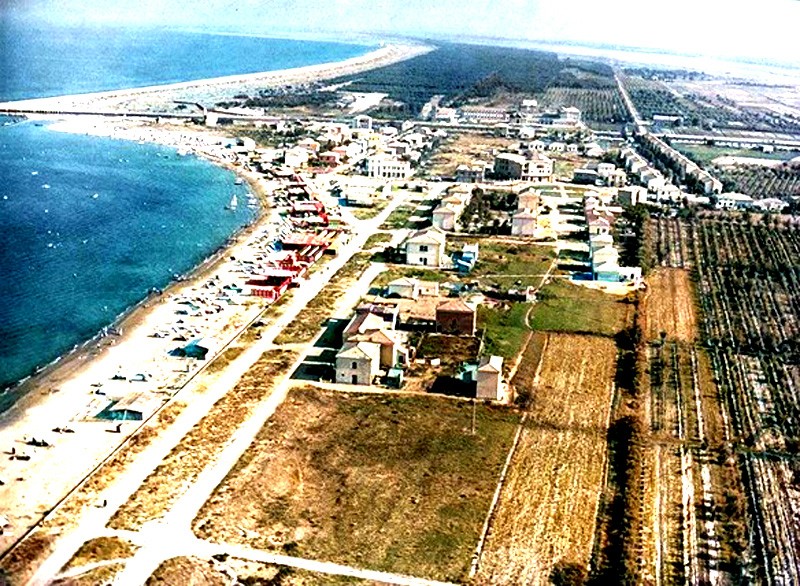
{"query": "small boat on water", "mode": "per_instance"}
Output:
(238, 181)
(234, 202)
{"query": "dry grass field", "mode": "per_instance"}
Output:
(189, 571)
(389, 483)
(670, 305)
(198, 448)
(97, 550)
(248, 572)
(546, 513)
(465, 148)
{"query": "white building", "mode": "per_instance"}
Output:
(490, 378)
(357, 363)
(426, 247)
(296, 157)
(405, 287)
(523, 223)
(387, 167)
(529, 200)
(630, 196)
(445, 217)
(731, 201)
(535, 168)
(771, 204)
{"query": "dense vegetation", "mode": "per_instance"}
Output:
(463, 72)
(782, 181)
(596, 105)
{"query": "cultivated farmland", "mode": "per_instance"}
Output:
(596, 105)
(747, 281)
(547, 511)
(670, 306)
(780, 181)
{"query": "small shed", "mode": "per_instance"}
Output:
(403, 287)
(192, 350)
(394, 378)
(132, 407)
(489, 378)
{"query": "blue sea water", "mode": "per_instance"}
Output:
(41, 60)
(89, 225)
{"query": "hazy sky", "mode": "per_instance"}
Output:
(762, 29)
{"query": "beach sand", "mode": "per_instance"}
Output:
(209, 91)
(69, 394)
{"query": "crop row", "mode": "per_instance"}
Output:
(748, 283)
(781, 181)
(596, 105)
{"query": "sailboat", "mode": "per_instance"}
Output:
(233, 204)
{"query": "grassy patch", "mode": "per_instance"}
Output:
(101, 549)
(256, 573)
(398, 218)
(504, 328)
(101, 575)
(465, 149)
(504, 264)
(382, 482)
(186, 460)
(565, 307)
(376, 239)
(367, 213)
(396, 272)
(704, 154)
(185, 570)
(228, 355)
(452, 350)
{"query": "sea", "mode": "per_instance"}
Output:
(89, 226)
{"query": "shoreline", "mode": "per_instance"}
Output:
(70, 392)
(73, 388)
(381, 57)
(64, 365)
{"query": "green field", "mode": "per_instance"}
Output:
(508, 264)
(398, 218)
(504, 328)
(396, 272)
(565, 307)
(704, 154)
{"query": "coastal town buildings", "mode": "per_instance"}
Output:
(471, 173)
(385, 166)
(426, 247)
(534, 167)
(455, 317)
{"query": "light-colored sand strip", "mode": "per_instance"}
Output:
(108, 99)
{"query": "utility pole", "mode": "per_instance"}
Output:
(474, 407)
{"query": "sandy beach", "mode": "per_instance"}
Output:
(211, 90)
(55, 422)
